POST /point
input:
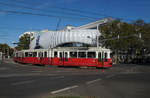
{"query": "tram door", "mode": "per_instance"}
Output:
(100, 59)
(63, 57)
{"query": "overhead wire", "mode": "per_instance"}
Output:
(79, 11)
(38, 9)
(47, 15)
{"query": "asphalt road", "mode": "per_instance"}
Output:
(32, 81)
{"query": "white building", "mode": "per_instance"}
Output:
(85, 35)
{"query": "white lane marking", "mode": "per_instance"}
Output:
(64, 89)
(22, 82)
(90, 82)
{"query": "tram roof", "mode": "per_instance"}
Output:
(69, 49)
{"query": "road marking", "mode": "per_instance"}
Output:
(93, 81)
(64, 89)
(22, 82)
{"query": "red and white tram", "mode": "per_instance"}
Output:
(68, 56)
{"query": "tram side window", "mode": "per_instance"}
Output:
(34, 54)
(91, 54)
(106, 56)
(16, 54)
(55, 54)
(73, 54)
(82, 54)
(40, 54)
(26, 54)
(66, 55)
(60, 54)
(30, 54)
(45, 54)
(99, 56)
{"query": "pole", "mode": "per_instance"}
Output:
(97, 39)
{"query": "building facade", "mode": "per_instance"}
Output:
(85, 35)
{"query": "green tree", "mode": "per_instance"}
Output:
(128, 36)
(24, 42)
(7, 50)
(111, 31)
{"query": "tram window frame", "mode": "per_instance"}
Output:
(26, 54)
(45, 54)
(89, 55)
(60, 56)
(105, 56)
(66, 54)
(73, 54)
(55, 54)
(82, 54)
(99, 56)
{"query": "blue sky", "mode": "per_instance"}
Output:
(13, 24)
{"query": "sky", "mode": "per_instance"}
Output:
(19, 16)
